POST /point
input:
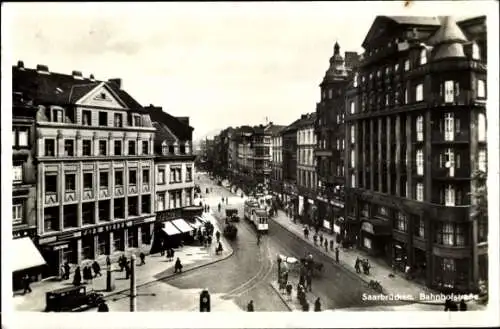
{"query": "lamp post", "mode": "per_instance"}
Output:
(133, 286)
(278, 259)
(109, 277)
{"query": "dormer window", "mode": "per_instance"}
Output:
(475, 52)
(58, 115)
(407, 65)
(164, 148)
(423, 56)
(171, 149)
(137, 120)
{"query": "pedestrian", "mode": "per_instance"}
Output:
(356, 265)
(250, 306)
(127, 270)
(172, 252)
(77, 277)
(331, 244)
(326, 245)
(309, 282)
(219, 206)
(209, 240)
(89, 275)
(121, 261)
(222, 199)
(317, 305)
(66, 270)
(305, 306)
(463, 305)
(337, 254)
(306, 233)
(178, 266)
(320, 239)
(208, 208)
(108, 262)
(315, 239)
(217, 236)
(102, 307)
(302, 280)
(142, 256)
(97, 268)
(26, 284)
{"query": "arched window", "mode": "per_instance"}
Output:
(475, 52)
(164, 148)
(423, 56)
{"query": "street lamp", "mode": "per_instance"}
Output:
(133, 285)
(110, 286)
(279, 267)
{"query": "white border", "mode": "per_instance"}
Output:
(251, 320)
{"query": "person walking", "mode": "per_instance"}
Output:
(250, 307)
(315, 239)
(108, 262)
(77, 277)
(357, 265)
(66, 270)
(320, 239)
(142, 256)
(217, 236)
(97, 268)
(127, 270)
(26, 284)
(331, 244)
(309, 282)
(178, 266)
(317, 305)
(337, 254)
(102, 307)
(463, 305)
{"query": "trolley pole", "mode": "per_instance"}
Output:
(133, 285)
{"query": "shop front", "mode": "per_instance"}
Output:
(26, 260)
(375, 236)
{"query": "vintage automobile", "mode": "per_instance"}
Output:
(230, 231)
(232, 215)
(71, 299)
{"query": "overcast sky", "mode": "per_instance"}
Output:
(220, 64)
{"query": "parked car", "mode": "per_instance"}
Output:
(71, 299)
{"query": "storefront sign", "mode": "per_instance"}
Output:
(61, 246)
(326, 224)
(66, 236)
(139, 221)
(336, 228)
(367, 227)
(337, 203)
(47, 240)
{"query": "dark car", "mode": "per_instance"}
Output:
(71, 299)
(232, 215)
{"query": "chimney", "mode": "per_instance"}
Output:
(20, 65)
(77, 75)
(42, 69)
(117, 82)
(92, 78)
(303, 116)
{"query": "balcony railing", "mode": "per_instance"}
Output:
(460, 137)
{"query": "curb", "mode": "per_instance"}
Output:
(290, 309)
(172, 274)
(339, 264)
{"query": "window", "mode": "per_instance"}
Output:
(160, 201)
(387, 100)
(118, 122)
(406, 96)
(449, 91)
(449, 196)
(164, 148)
(86, 147)
(145, 176)
(68, 147)
(57, 115)
(419, 93)
(103, 146)
(401, 222)
(355, 80)
(175, 175)
(161, 176)
(407, 65)
(449, 127)
(119, 178)
(22, 137)
(50, 183)
(132, 177)
(475, 52)
(103, 118)
(88, 180)
(448, 161)
(420, 162)
(481, 89)
(189, 174)
(17, 172)
(379, 73)
(353, 159)
(137, 120)
(353, 180)
(420, 192)
(423, 56)
(86, 117)
(353, 108)
(420, 128)
(145, 147)
(481, 160)
(396, 67)
(131, 147)
(17, 213)
(118, 147)
(70, 182)
(446, 234)
(189, 199)
(419, 227)
(338, 144)
(481, 127)
(103, 179)
(330, 93)
(343, 144)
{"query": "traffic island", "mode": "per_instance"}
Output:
(291, 301)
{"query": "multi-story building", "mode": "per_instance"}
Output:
(330, 148)
(221, 153)
(174, 168)
(94, 165)
(289, 168)
(28, 259)
(306, 168)
(416, 133)
(277, 162)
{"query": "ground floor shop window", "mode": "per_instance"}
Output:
(132, 237)
(69, 253)
(146, 234)
(103, 244)
(118, 241)
(452, 273)
(88, 247)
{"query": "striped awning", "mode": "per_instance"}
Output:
(182, 225)
(170, 229)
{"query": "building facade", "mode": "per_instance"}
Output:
(329, 152)
(94, 165)
(277, 163)
(416, 133)
(306, 168)
(289, 168)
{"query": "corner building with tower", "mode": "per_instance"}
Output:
(415, 135)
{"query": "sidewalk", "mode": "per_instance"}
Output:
(291, 301)
(396, 285)
(156, 268)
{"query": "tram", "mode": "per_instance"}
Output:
(255, 214)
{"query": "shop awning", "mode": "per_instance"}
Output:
(195, 223)
(26, 255)
(376, 227)
(170, 229)
(182, 225)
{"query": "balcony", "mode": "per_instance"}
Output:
(51, 198)
(460, 137)
(323, 152)
(451, 174)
